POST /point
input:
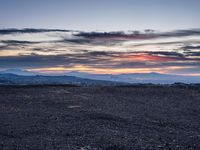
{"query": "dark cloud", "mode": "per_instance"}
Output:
(104, 38)
(26, 61)
(75, 41)
(35, 60)
(29, 30)
(189, 47)
(102, 53)
(180, 33)
(15, 42)
(192, 53)
(90, 41)
(4, 47)
(114, 38)
(156, 53)
(159, 43)
(100, 59)
(119, 35)
(137, 35)
(172, 54)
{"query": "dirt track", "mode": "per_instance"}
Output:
(99, 118)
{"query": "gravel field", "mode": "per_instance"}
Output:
(99, 118)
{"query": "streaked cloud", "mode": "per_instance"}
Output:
(103, 52)
(28, 30)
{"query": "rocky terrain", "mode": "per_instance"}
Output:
(99, 118)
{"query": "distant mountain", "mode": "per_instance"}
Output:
(12, 79)
(18, 72)
(17, 76)
(152, 77)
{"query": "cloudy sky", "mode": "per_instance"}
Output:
(107, 36)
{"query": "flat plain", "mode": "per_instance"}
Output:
(99, 118)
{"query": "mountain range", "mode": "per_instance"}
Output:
(152, 77)
(18, 76)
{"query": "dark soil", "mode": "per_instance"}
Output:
(99, 118)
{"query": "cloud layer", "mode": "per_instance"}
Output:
(175, 52)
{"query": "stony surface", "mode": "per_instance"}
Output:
(99, 118)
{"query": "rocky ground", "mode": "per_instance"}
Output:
(99, 118)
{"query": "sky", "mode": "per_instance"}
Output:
(104, 15)
(102, 37)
